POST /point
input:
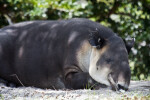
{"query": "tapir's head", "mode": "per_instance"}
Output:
(109, 61)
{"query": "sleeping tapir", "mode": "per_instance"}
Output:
(65, 54)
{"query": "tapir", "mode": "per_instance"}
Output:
(64, 54)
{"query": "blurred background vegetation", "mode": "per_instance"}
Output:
(128, 18)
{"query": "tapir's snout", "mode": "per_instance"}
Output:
(118, 85)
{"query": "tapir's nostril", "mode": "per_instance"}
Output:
(122, 87)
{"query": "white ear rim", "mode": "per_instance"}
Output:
(99, 39)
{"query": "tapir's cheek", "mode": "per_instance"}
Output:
(100, 75)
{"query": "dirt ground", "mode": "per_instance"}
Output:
(138, 90)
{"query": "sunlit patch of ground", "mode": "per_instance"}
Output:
(139, 90)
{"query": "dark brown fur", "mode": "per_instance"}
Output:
(43, 53)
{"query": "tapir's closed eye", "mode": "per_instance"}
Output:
(108, 60)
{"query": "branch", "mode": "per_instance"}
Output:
(17, 78)
(8, 19)
(114, 8)
(111, 11)
(126, 14)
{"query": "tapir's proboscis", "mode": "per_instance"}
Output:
(64, 54)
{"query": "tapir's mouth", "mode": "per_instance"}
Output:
(112, 83)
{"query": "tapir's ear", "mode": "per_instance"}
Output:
(94, 39)
(129, 44)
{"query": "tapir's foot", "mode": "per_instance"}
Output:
(3, 82)
(6, 83)
(12, 85)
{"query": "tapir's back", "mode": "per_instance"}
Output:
(32, 51)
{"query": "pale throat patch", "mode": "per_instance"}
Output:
(98, 73)
(87, 57)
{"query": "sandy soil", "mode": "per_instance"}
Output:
(139, 90)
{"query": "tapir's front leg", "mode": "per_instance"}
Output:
(79, 80)
(75, 78)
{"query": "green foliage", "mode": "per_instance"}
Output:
(90, 86)
(1, 97)
(128, 18)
